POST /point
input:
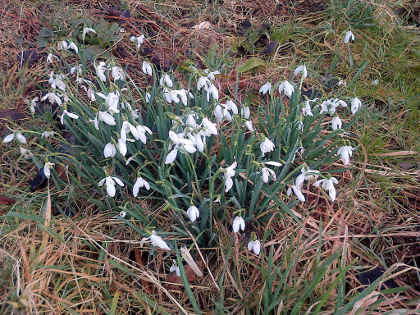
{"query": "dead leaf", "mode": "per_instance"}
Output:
(202, 26)
(360, 307)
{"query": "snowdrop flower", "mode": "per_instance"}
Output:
(266, 146)
(165, 80)
(147, 68)
(19, 137)
(248, 124)
(245, 112)
(148, 96)
(76, 69)
(266, 88)
(100, 71)
(329, 106)
(27, 154)
(157, 241)
(193, 213)
(328, 184)
(266, 173)
(109, 150)
(47, 169)
(106, 118)
(273, 163)
(138, 40)
(50, 58)
(122, 146)
(117, 73)
(213, 92)
(33, 104)
(175, 268)
(355, 105)
(238, 224)
(301, 69)
(345, 152)
(307, 111)
(211, 75)
(171, 156)
(110, 182)
(47, 134)
(87, 30)
(62, 45)
(229, 173)
(349, 36)
(52, 98)
(66, 113)
(287, 88)
(91, 94)
(72, 46)
(112, 100)
(336, 123)
(56, 81)
(230, 105)
(140, 183)
(297, 191)
(203, 82)
(209, 128)
(141, 133)
(254, 246)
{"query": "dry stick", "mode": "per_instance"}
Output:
(144, 273)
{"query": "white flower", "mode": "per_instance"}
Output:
(175, 268)
(245, 112)
(148, 97)
(230, 105)
(336, 123)
(122, 146)
(50, 58)
(47, 134)
(238, 224)
(209, 128)
(328, 184)
(229, 173)
(287, 88)
(100, 71)
(66, 113)
(203, 82)
(165, 80)
(307, 111)
(211, 75)
(27, 154)
(47, 169)
(273, 163)
(355, 105)
(52, 98)
(106, 118)
(33, 104)
(157, 241)
(171, 156)
(266, 88)
(56, 81)
(266, 173)
(87, 30)
(213, 92)
(147, 68)
(193, 213)
(140, 183)
(345, 152)
(254, 246)
(301, 69)
(112, 100)
(297, 191)
(141, 133)
(109, 150)
(19, 137)
(76, 69)
(117, 73)
(110, 184)
(138, 40)
(249, 125)
(266, 146)
(72, 46)
(349, 36)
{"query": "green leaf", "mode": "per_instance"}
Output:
(251, 64)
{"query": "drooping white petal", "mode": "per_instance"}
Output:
(265, 88)
(336, 123)
(9, 138)
(118, 181)
(117, 73)
(287, 88)
(157, 241)
(147, 68)
(349, 36)
(122, 146)
(47, 169)
(238, 224)
(107, 118)
(110, 186)
(193, 213)
(87, 30)
(266, 146)
(301, 69)
(356, 104)
(171, 156)
(109, 150)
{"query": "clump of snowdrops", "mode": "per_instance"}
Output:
(201, 156)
